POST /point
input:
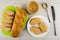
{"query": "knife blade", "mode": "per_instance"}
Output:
(53, 15)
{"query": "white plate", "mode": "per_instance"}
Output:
(45, 20)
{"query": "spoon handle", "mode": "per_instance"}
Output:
(48, 15)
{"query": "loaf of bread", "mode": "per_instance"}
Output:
(18, 22)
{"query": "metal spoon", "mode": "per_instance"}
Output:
(45, 6)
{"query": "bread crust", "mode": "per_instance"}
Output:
(18, 22)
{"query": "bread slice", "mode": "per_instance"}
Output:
(35, 30)
(5, 28)
(7, 25)
(34, 21)
(9, 12)
(8, 17)
(43, 26)
(6, 21)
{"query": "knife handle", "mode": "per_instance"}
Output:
(53, 12)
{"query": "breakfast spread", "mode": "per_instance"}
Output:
(41, 26)
(14, 20)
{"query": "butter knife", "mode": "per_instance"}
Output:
(53, 15)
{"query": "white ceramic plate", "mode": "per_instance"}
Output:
(45, 20)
